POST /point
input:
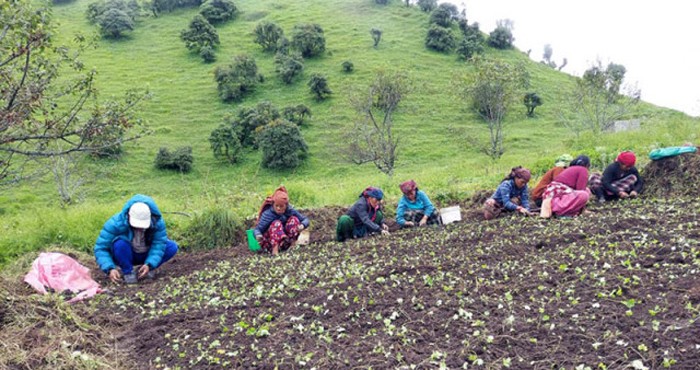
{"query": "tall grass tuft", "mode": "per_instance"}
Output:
(213, 228)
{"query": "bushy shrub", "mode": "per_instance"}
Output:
(308, 39)
(501, 38)
(180, 160)
(469, 46)
(376, 35)
(200, 34)
(319, 86)
(267, 34)
(440, 39)
(237, 79)
(114, 22)
(281, 144)
(441, 16)
(289, 66)
(225, 144)
(348, 66)
(296, 114)
(427, 5)
(249, 119)
(208, 55)
(217, 11)
(213, 228)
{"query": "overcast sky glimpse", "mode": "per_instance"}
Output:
(657, 41)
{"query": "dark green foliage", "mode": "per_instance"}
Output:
(218, 11)
(213, 228)
(207, 54)
(283, 45)
(348, 66)
(608, 79)
(249, 119)
(427, 5)
(308, 39)
(225, 143)
(94, 11)
(267, 35)
(159, 6)
(114, 22)
(440, 39)
(281, 144)
(469, 46)
(441, 16)
(296, 114)
(532, 101)
(376, 35)
(179, 160)
(289, 66)
(200, 34)
(501, 38)
(319, 86)
(382, 2)
(237, 79)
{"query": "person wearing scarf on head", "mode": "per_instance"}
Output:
(620, 180)
(560, 164)
(279, 224)
(415, 208)
(511, 195)
(364, 217)
(568, 193)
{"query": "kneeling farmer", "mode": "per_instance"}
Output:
(279, 224)
(134, 236)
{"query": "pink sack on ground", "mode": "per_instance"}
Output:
(570, 204)
(60, 272)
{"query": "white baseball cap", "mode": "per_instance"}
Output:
(140, 215)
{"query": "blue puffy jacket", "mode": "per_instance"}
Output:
(117, 227)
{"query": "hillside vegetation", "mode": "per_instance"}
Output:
(432, 122)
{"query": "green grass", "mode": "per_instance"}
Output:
(433, 122)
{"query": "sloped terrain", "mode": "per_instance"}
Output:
(673, 177)
(612, 289)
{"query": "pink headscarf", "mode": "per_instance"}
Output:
(408, 186)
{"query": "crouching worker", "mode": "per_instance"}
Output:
(363, 218)
(511, 195)
(567, 194)
(620, 180)
(415, 208)
(279, 224)
(560, 164)
(134, 236)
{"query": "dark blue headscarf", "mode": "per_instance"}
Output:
(373, 192)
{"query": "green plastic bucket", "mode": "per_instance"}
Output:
(253, 244)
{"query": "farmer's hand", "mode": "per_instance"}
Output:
(258, 238)
(523, 210)
(300, 227)
(622, 195)
(115, 276)
(385, 232)
(423, 221)
(409, 223)
(143, 270)
(633, 194)
(385, 227)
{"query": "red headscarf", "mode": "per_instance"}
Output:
(627, 158)
(522, 173)
(279, 197)
(408, 186)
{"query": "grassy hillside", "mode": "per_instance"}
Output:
(433, 122)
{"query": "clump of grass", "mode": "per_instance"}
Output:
(213, 228)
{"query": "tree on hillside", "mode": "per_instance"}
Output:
(308, 39)
(238, 78)
(225, 143)
(296, 114)
(427, 5)
(200, 34)
(441, 16)
(502, 36)
(42, 116)
(596, 102)
(491, 90)
(218, 11)
(267, 34)
(440, 39)
(372, 139)
(318, 84)
(376, 35)
(281, 144)
(289, 66)
(532, 101)
(114, 22)
(247, 120)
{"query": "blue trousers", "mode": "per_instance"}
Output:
(125, 257)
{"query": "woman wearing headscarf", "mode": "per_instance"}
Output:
(567, 194)
(511, 195)
(415, 208)
(279, 224)
(620, 180)
(560, 164)
(364, 217)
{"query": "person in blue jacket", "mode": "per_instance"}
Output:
(279, 224)
(134, 236)
(511, 195)
(365, 217)
(415, 208)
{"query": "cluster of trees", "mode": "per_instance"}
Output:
(440, 36)
(263, 127)
(201, 37)
(115, 17)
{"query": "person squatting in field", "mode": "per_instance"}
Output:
(567, 194)
(364, 217)
(415, 208)
(560, 164)
(279, 224)
(620, 180)
(511, 195)
(134, 236)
